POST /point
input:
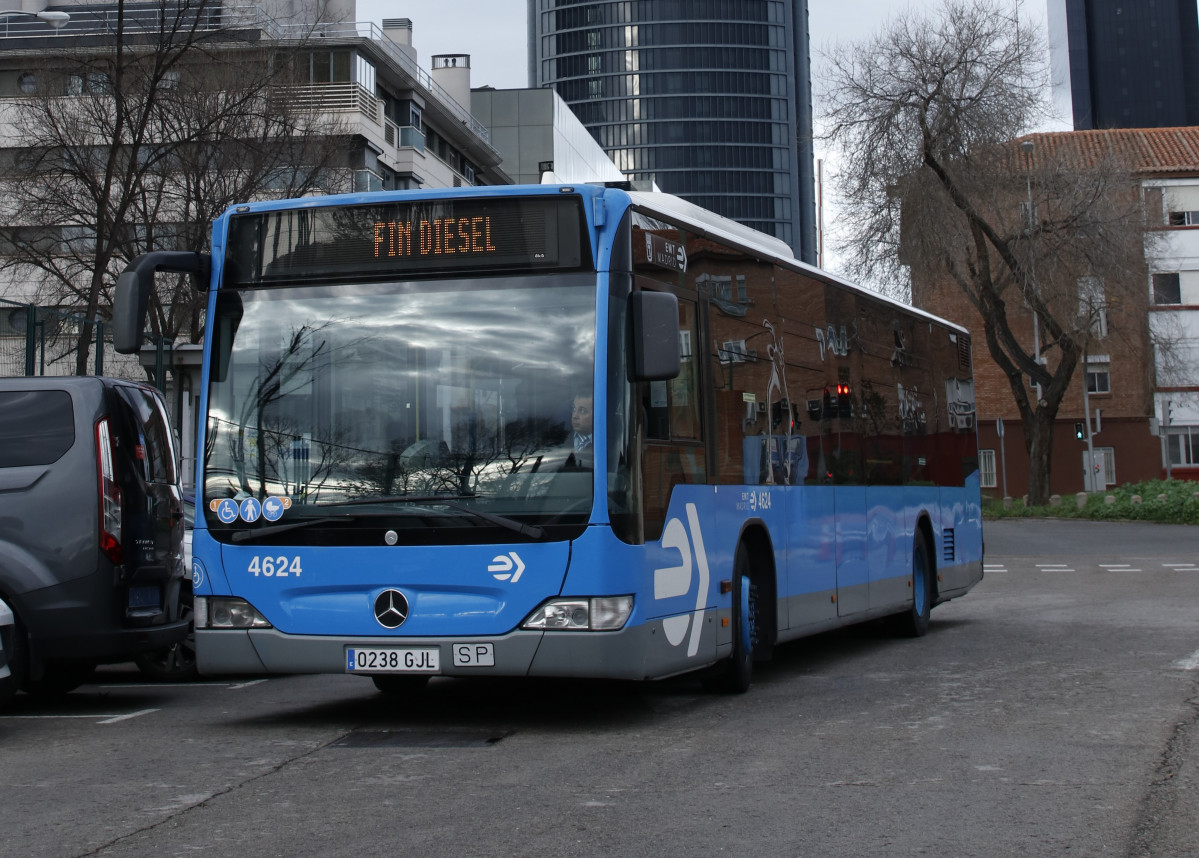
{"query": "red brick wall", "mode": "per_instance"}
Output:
(1126, 410)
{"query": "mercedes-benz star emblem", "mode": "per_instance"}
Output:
(391, 609)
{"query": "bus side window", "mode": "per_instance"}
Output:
(657, 411)
(672, 407)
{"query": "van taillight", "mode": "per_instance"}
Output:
(110, 496)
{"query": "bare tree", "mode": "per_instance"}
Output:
(136, 145)
(927, 116)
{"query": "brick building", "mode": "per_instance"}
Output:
(1146, 396)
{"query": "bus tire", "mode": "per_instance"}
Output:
(913, 623)
(400, 685)
(739, 671)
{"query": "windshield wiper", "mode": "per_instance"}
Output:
(529, 530)
(363, 501)
(270, 530)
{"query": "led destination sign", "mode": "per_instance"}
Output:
(437, 237)
(398, 239)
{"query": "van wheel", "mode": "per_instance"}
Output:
(17, 650)
(175, 663)
(400, 685)
(59, 678)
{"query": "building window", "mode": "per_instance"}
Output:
(1182, 446)
(27, 83)
(1099, 374)
(1184, 218)
(1167, 288)
(986, 468)
(1092, 305)
(364, 73)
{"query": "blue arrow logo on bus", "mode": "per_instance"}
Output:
(503, 565)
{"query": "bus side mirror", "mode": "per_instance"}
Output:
(655, 321)
(132, 293)
(129, 312)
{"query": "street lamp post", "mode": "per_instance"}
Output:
(1027, 146)
(57, 20)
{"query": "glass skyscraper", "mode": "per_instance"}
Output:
(1126, 65)
(710, 99)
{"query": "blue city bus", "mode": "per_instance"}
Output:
(557, 431)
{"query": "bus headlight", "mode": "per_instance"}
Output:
(221, 612)
(598, 614)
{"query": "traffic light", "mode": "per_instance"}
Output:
(1080, 431)
(844, 403)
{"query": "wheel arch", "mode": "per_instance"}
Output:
(924, 530)
(764, 574)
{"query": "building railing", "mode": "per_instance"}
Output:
(332, 98)
(403, 137)
(352, 98)
(86, 21)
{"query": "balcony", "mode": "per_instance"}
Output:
(401, 147)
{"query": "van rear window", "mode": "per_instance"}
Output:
(156, 452)
(36, 427)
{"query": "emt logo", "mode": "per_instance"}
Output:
(674, 581)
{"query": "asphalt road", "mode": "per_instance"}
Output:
(1052, 711)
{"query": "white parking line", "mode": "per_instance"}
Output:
(1181, 567)
(1191, 662)
(159, 684)
(107, 718)
(241, 685)
(127, 717)
(32, 717)
(1054, 567)
(1118, 567)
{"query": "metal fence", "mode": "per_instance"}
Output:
(44, 341)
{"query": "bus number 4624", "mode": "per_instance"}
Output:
(275, 567)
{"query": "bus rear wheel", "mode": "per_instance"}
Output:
(913, 622)
(400, 685)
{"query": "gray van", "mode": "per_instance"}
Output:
(91, 528)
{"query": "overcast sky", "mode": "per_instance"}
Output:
(493, 32)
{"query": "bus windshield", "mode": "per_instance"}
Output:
(439, 410)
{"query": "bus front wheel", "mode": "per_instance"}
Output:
(739, 671)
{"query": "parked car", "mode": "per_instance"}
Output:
(91, 528)
(177, 663)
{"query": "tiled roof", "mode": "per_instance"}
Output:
(1150, 151)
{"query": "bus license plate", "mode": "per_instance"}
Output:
(393, 660)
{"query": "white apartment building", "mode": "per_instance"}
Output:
(1174, 316)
